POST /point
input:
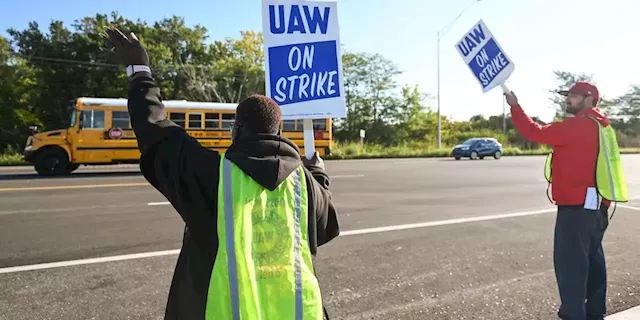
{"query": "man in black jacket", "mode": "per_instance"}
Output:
(187, 174)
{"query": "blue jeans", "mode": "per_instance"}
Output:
(579, 262)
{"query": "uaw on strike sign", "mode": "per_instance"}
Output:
(484, 56)
(303, 60)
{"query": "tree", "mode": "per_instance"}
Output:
(16, 94)
(565, 80)
(626, 117)
(41, 73)
(233, 72)
(370, 92)
(416, 122)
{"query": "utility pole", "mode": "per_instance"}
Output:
(504, 117)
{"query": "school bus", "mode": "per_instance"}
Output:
(100, 133)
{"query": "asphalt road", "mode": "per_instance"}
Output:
(493, 267)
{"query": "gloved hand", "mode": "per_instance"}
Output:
(127, 51)
(314, 162)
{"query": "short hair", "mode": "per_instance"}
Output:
(260, 114)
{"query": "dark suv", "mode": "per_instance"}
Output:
(478, 148)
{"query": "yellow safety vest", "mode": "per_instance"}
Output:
(610, 181)
(263, 269)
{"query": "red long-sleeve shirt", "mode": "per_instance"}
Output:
(575, 151)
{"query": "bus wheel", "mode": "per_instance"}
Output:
(52, 162)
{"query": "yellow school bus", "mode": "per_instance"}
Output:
(100, 133)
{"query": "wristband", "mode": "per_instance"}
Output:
(137, 68)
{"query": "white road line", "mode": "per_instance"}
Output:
(164, 203)
(89, 261)
(629, 314)
(345, 233)
(629, 207)
(445, 222)
(88, 208)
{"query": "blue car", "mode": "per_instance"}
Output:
(478, 148)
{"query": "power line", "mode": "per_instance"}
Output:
(69, 63)
(98, 64)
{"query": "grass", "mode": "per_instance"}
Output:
(11, 159)
(343, 151)
(409, 150)
(417, 150)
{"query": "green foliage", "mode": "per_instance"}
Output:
(41, 73)
(11, 158)
(565, 80)
(457, 137)
(416, 149)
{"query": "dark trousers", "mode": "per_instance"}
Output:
(579, 262)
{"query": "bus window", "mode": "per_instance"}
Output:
(120, 119)
(299, 125)
(195, 120)
(288, 125)
(320, 124)
(74, 115)
(227, 120)
(93, 119)
(178, 118)
(212, 121)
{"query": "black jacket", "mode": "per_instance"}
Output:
(187, 174)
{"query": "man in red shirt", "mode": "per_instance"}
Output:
(578, 255)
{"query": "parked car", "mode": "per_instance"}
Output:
(478, 148)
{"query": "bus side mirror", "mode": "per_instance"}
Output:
(80, 117)
(34, 129)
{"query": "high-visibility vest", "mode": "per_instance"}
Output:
(610, 181)
(263, 269)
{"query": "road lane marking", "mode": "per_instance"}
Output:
(80, 186)
(629, 207)
(89, 261)
(345, 233)
(346, 176)
(445, 222)
(164, 203)
(119, 185)
(88, 208)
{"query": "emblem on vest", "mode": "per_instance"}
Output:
(270, 245)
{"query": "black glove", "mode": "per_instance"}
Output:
(128, 52)
(314, 162)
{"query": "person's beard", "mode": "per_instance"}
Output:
(574, 109)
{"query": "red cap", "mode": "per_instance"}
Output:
(583, 88)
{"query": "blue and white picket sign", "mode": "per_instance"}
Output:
(488, 62)
(303, 64)
(303, 61)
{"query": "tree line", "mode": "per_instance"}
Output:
(41, 73)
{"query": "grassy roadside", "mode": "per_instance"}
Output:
(410, 150)
(372, 151)
(415, 150)
(11, 159)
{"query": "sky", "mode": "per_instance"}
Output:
(592, 36)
